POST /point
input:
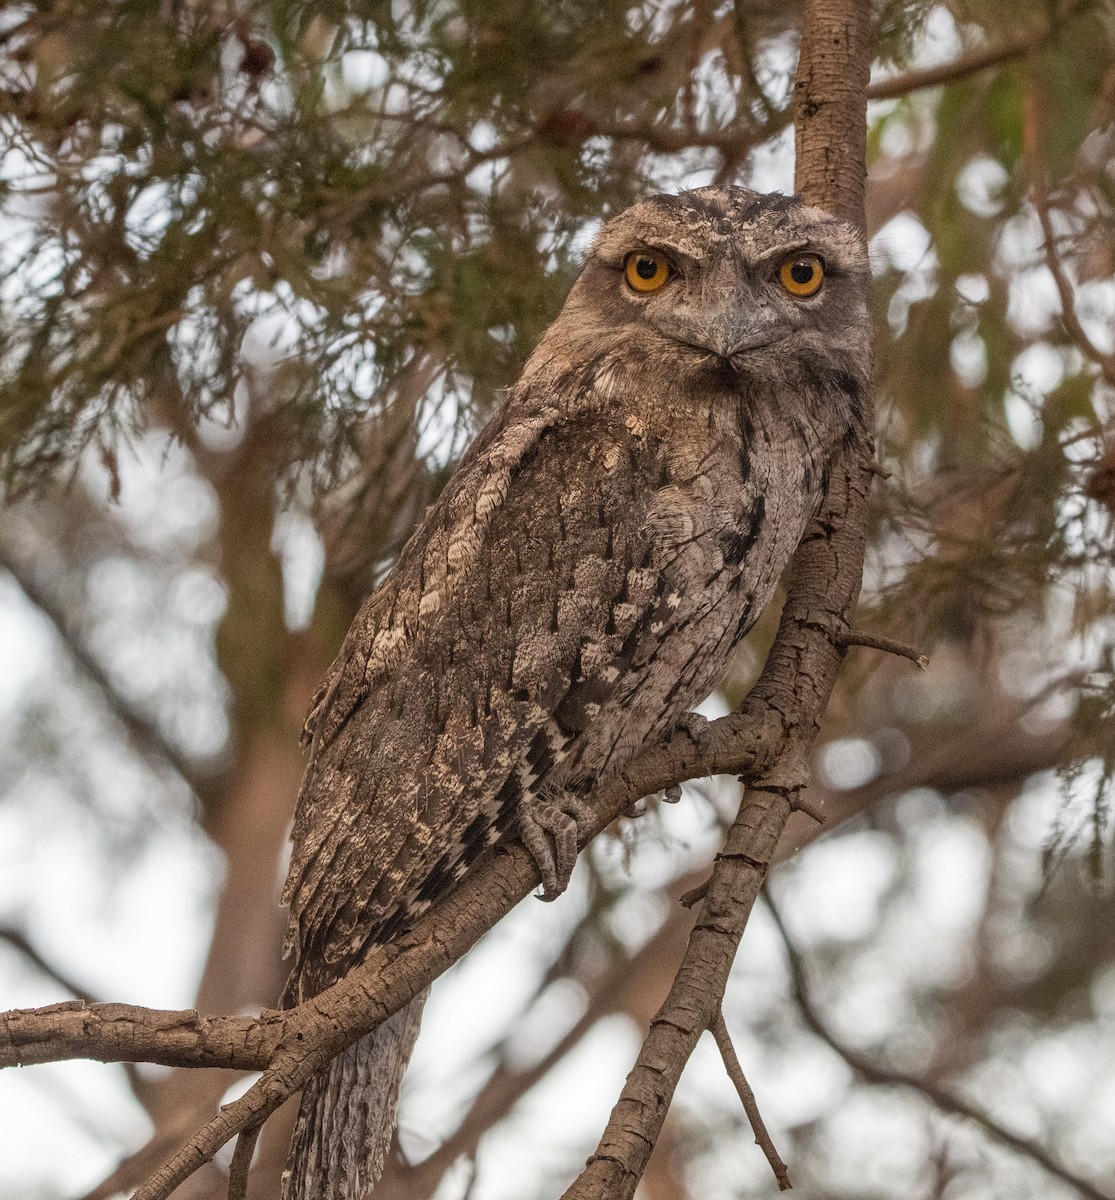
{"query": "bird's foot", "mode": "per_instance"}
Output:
(696, 727)
(549, 825)
(670, 795)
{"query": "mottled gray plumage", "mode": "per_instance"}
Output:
(581, 582)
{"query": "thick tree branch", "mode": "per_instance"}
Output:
(946, 1101)
(130, 1033)
(830, 96)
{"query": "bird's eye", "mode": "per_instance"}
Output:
(801, 275)
(646, 270)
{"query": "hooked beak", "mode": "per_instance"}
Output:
(734, 331)
(731, 342)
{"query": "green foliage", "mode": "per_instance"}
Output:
(362, 183)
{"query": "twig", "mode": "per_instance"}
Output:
(143, 731)
(719, 1031)
(665, 140)
(1039, 198)
(242, 1162)
(875, 641)
(974, 61)
(798, 803)
(877, 469)
(18, 941)
(694, 896)
(874, 1073)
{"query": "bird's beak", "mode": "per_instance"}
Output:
(732, 333)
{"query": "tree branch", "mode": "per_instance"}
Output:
(1039, 198)
(1022, 44)
(875, 641)
(626, 985)
(290, 1046)
(875, 1073)
(130, 1033)
(719, 1031)
(617, 1165)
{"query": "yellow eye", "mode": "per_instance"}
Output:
(801, 275)
(646, 270)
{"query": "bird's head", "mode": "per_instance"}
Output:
(759, 290)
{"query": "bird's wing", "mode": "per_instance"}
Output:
(503, 626)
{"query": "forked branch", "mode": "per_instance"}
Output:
(830, 106)
(289, 1046)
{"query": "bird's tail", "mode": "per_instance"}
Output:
(346, 1117)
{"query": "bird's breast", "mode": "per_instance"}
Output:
(721, 535)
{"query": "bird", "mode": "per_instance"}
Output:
(580, 584)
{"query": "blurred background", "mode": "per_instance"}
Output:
(264, 267)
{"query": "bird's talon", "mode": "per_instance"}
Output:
(672, 794)
(695, 727)
(549, 826)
